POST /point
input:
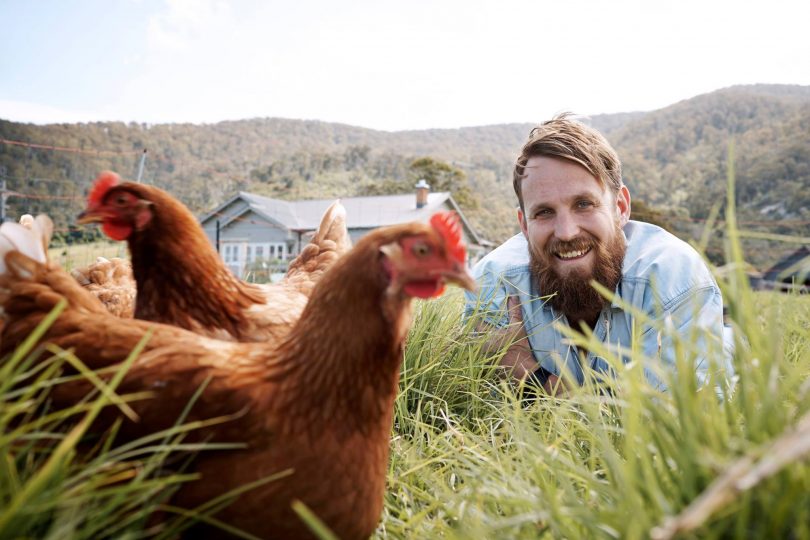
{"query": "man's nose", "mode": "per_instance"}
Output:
(565, 226)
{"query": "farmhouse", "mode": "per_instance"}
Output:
(792, 272)
(249, 229)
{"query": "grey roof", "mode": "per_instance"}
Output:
(361, 212)
(796, 264)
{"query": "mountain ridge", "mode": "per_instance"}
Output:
(674, 158)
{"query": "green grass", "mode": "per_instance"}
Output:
(470, 460)
(79, 255)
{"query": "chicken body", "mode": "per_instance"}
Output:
(181, 279)
(314, 409)
(111, 281)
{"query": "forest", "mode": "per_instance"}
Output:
(675, 162)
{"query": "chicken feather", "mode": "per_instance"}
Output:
(315, 406)
(181, 279)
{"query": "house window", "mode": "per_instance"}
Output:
(248, 257)
(260, 252)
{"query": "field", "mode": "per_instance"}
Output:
(79, 255)
(472, 460)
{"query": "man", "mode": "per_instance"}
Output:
(574, 216)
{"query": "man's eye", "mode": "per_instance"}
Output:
(584, 204)
(545, 212)
(420, 249)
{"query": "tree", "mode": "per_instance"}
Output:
(444, 177)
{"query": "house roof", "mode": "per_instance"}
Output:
(361, 212)
(796, 263)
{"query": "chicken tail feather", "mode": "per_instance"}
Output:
(32, 241)
(331, 241)
(333, 228)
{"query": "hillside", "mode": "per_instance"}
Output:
(674, 159)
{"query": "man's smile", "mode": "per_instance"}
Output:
(572, 255)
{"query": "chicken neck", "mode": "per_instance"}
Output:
(181, 279)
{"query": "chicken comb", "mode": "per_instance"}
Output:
(102, 184)
(448, 225)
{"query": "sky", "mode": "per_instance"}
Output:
(388, 65)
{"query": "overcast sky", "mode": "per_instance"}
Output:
(386, 65)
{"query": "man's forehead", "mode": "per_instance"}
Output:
(541, 186)
(556, 166)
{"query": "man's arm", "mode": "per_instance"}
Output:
(518, 361)
(697, 322)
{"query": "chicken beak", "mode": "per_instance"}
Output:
(461, 277)
(90, 216)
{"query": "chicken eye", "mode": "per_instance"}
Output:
(121, 200)
(420, 249)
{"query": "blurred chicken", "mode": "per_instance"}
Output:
(181, 279)
(27, 221)
(315, 408)
(111, 281)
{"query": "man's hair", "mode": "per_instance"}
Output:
(569, 139)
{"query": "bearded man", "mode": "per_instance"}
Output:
(574, 214)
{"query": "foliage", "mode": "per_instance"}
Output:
(641, 211)
(673, 159)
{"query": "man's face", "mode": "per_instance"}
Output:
(573, 226)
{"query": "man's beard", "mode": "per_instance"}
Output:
(573, 294)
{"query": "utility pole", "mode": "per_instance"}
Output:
(140, 166)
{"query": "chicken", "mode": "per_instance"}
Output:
(27, 221)
(181, 279)
(111, 281)
(315, 408)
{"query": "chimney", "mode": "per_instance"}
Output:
(422, 190)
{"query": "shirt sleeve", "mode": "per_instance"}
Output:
(488, 304)
(694, 324)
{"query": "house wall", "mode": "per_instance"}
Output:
(210, 226)
(251, 242)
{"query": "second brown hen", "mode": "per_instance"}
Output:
(182, 280)
(111, 281)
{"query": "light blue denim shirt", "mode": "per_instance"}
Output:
(662, 277)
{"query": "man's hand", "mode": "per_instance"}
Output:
(518, 361)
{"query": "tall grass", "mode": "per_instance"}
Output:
(469, 459)
(59, 479)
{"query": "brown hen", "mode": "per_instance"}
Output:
(182, 281)
(317, 404)
(111, 281)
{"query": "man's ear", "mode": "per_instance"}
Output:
(623, 205)
(522, 221)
